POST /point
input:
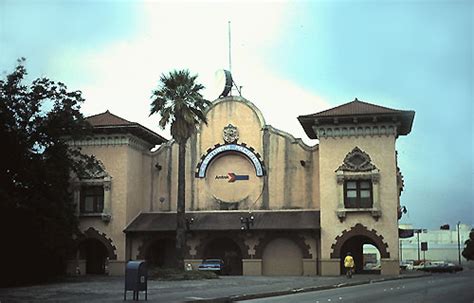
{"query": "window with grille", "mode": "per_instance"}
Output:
(92, 199)
(358, 194)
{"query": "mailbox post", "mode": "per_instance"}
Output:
(136, 279)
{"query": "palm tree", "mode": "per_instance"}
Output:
(179, 102)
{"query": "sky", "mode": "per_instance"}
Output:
(291, 58)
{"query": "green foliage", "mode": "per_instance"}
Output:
(468, 251)
(171, 274)
(36, 214)
(179, 102)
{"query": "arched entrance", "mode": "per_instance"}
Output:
(161, 253)
(227, 250)
(355, 246)
(282, 257)
(353, 241)
(96, 255)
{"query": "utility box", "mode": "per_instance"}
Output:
(136, 279)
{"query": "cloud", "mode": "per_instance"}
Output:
(121, 75)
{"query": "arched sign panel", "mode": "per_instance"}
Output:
(240, 148)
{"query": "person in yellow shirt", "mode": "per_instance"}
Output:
(349, 265)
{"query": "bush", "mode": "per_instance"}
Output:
(171, 274)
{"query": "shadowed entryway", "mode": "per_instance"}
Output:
(227, 250)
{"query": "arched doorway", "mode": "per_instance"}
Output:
(96, 255)
(161, 253)
(227, 250)
(282, 257)
(353, 241)
(355, 245)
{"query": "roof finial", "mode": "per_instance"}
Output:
(356, 99)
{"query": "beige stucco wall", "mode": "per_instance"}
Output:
(115, 160)
(293, 179)
(332, 152)
(282, 257)
(291, 182)
(138, 179)
(252, 267)
(128, 162)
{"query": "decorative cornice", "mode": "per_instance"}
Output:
(335, 131)
(112, 140)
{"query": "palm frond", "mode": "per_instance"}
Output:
(179, 103)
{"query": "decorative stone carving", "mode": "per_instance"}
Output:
(357, 165)
(92, 233)
(107, 184)
(355, 131)
(355, 231)
(96, 172)
(230, 134)
(106, 217)
(357, 160)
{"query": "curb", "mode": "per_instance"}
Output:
(234, 298)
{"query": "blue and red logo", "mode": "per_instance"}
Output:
(232, 177)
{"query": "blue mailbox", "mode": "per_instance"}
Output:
(136, 279)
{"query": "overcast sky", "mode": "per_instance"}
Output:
(290, 59)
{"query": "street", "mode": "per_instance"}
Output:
(453, 288)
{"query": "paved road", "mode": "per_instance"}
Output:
(452, 288)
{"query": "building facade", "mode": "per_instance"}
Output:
(442, 244)
(256, 197)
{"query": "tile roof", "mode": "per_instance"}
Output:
(357, 112)
(109, 123)
(106, 118)
(354, 108)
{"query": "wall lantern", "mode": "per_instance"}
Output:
(246, 222)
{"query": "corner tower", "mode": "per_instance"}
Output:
(360, 182)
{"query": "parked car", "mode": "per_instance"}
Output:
(406, 265)
(215, 265)
(440, 266)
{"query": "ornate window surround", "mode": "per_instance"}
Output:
(358, 166)
(100, 178)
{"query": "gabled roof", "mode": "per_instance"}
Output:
(358, 111)
(106, 119)
(109, 123)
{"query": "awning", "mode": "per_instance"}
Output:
(227, 220)
(405, 233)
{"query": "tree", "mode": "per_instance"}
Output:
(179, 103)
(468, 251)
(37, 220)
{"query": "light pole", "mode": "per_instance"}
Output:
(418, 231)
(459, 246)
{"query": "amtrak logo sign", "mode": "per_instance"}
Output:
(218, 149)
(233, 177)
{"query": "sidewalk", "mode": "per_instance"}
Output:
(226, 289)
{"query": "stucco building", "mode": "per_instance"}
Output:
(260, 199)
